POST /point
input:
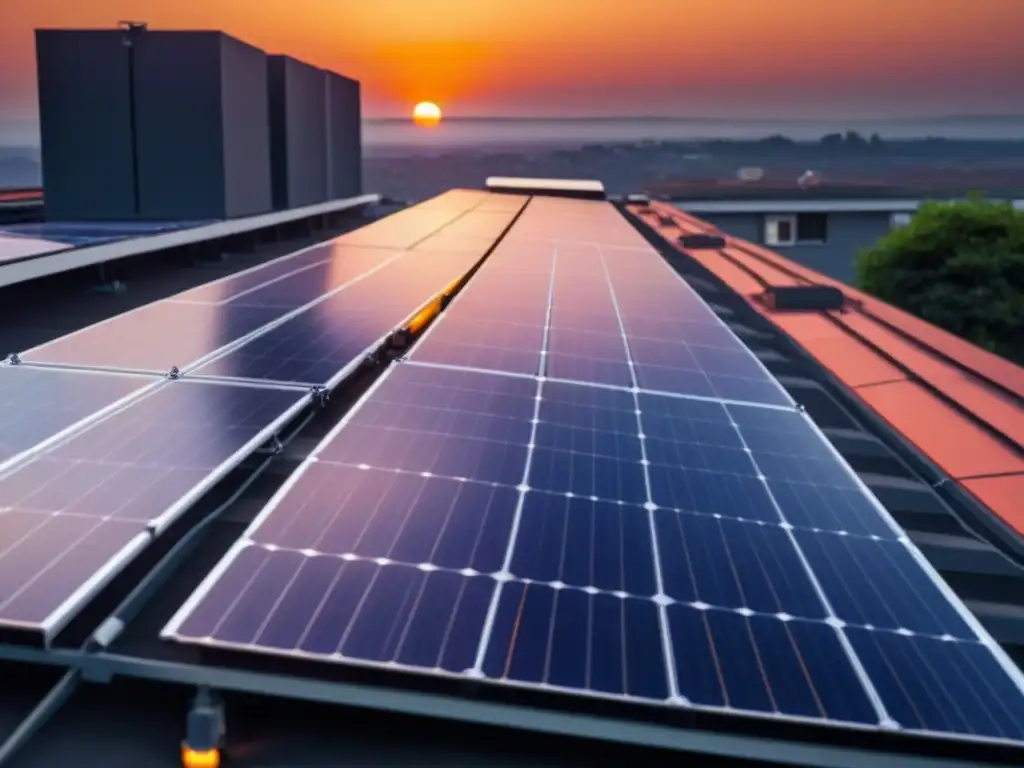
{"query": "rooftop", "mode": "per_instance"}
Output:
(917, 183)
(468, 340)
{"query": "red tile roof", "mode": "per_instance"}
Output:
(961, 406)
(20, 195)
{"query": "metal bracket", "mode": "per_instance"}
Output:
(320, 396)
(13, 359)
(274, 447)
(205, 723)
(174, 373)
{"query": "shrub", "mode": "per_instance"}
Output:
(959, 266)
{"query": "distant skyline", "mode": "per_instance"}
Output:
(698, 59)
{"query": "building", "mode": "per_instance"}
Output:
(298, 133)
(344, 137)
(175, 122)
(822, 227)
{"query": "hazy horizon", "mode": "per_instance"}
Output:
(466, 131)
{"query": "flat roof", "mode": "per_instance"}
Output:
(26, 257)
(794, 203)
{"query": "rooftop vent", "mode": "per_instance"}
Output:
(586, 189)
(702, 242)
(808, 179)
(804, 298)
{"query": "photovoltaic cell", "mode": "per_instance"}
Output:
(37, 404)
(586, 444)
(304, 284)
(681, 551)
(613, 316)
(545, 636)
(581, 542)
(451, 423)
(309, 349)
(497, 322)
(484, 343)
(156, 337)
(319, 343)
(253, 280)
(46, 558)
(369, 612)
(401, 516)
(83, 502)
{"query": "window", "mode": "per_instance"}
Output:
(780, 230)
(812, 228)
(801, 228)
(898, 220)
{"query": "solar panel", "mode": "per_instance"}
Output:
(190, 328)
(72, 515)
(605, 543)
(605, 315)
(37, 404)
(688, 549)
(292, 281)
(498, 321)
(156, 337)
(318, 346)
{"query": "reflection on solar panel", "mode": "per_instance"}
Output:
(275, 304)
(606, 541)
(293, 281)
(71, 516)
(183, 333)
(607, 315)
(37, 405)
(319, 346)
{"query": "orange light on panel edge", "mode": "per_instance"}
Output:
(426, 114)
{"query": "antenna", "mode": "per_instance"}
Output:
(131, 29)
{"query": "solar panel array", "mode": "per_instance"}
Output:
(522, 504)
(99, 452)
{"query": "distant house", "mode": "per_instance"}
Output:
(822, 227)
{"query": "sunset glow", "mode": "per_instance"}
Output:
(514, 58)
(426, 114)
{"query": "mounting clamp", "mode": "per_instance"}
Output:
(13, 359)
(320, 396)
(174, 373)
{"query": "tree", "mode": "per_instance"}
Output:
(832, 140)
(854, 140)
(959, 266)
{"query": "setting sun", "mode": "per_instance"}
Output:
(426, 113)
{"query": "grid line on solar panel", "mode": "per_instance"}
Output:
(72, 514)
(680, 346)
(403, 543)
(322, 345)
(178, 334)
(730, 369)
(495, 324)
(37, 405)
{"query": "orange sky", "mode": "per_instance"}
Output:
(753, 58)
